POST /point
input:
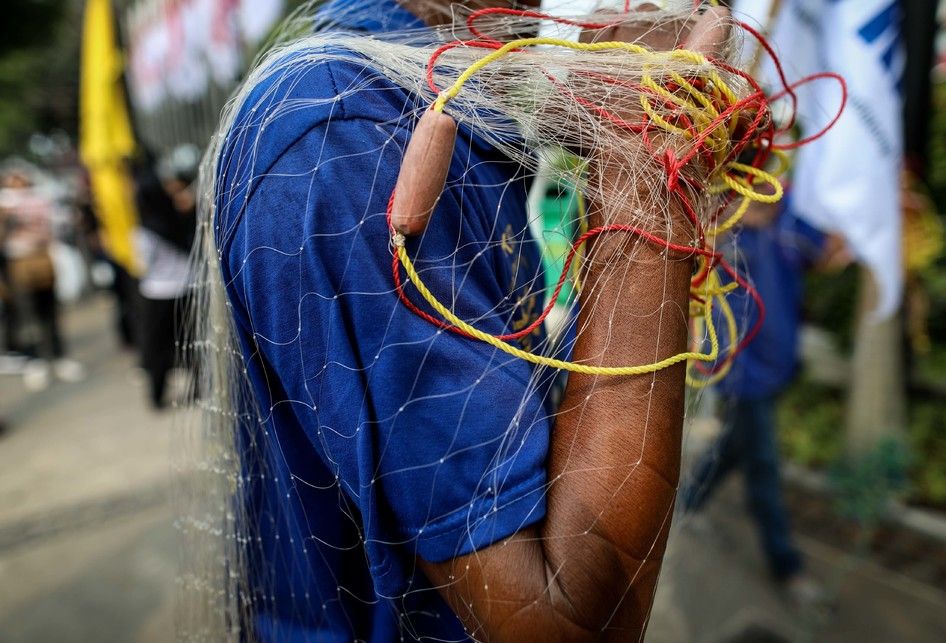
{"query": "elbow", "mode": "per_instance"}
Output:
(618, 611)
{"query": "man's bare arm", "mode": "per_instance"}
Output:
(589, 570)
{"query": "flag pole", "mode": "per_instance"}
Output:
(756, 59)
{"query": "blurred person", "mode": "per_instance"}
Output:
(106, 272)
(167, 218)
(775, 248)
(11, 344)
(27, 218)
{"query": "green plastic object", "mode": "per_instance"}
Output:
(559, 209)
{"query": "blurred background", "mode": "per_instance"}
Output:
(105, 109)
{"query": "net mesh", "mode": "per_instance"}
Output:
(580, 126)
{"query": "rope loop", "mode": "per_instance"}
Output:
(699, 117)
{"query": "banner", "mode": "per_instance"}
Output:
(188, 22)
(147, 67)
(223, 41)
(849, 180)
(106, 140)
(175, 47)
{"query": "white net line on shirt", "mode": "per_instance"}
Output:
(513, 98)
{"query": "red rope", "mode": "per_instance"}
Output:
(681, 249)
(759, 132)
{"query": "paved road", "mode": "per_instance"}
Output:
(87, 550)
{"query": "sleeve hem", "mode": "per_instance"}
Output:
(484, 522)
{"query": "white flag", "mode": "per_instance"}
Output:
(257, 17)
(849, 180)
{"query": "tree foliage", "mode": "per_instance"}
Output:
(39, 67)
(28, 23)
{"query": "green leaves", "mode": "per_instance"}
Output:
(39, 57)
(866, 484)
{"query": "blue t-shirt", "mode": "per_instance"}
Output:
(380, 439)
(774, 258)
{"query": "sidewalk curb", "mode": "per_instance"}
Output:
(52, 523)
(925, 522)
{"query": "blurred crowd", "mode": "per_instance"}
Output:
(51, 253)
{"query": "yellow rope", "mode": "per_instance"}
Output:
(573, 367)
(519, 43)
(582, 229)
(744, 188)
(733, 331)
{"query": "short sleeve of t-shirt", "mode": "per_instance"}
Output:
(438, 441)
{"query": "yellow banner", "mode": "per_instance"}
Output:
(106, 140)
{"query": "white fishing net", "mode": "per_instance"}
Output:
(342, 437)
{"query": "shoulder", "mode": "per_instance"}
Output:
(294, 96)
(296, 91)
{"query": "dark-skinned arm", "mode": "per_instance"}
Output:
(589, 570)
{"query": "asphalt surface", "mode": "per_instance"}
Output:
(88, 551)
